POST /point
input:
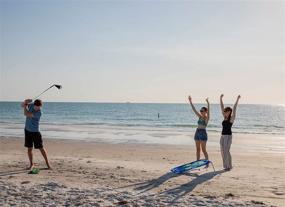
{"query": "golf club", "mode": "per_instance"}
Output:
(54, 85)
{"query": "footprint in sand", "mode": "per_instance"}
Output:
(279, 193)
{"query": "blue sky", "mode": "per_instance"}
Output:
(143, 51)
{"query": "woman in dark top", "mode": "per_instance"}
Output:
(201, 136)
(229, 115)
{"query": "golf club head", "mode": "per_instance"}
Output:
(58, 86)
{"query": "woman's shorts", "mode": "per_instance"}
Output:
(201, 135)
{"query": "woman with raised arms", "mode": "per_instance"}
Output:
(201, 136)
(229, 115)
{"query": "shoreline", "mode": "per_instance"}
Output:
(175, 127)
(138, 174)
(246, 142)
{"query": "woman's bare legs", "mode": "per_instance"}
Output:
(203, 146)
(198, 149)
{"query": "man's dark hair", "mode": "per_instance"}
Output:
(38, 102)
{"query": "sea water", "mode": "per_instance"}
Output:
(138, 122)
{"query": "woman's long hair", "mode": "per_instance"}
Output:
(230, 115)
(205, 109)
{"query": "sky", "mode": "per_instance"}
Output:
(143, 51)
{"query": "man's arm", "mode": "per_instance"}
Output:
(25, 107)
(27, 113)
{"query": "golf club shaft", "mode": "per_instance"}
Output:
(43, 92)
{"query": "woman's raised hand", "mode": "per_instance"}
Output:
(189, 98)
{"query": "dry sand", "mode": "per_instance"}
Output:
(104, 174)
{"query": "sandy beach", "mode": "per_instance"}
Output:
(123, 91)
(105, 174)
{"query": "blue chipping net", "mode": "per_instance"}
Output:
(190, 166)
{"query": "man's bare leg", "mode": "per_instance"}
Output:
(44, 153)
(30, 155)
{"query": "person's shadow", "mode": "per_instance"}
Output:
(151, 184)
(182, 190)
(15, 172)
(177, 192)
(12, 172)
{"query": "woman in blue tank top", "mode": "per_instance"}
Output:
(201, 136)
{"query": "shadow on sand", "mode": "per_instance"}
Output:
(179, 191)
(182, 190)
(15, 172)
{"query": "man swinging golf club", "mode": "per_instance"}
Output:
(33, 137)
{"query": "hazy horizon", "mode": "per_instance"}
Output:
(126, 102)
(143, 51)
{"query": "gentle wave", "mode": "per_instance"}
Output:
(266, 126)
(82, 126)
(145, 125)
(263, 119)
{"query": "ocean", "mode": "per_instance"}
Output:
(137, 122)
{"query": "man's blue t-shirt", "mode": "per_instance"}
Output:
(32, 123)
